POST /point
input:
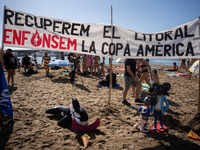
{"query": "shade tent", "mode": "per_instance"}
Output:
(106, 40)
(32, 58)
(58, 63)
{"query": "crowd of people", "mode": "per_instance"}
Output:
(136, 70)
(88, 62)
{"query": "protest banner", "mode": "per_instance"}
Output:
(36, 32)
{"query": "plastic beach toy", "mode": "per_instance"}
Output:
(85, 139)
(193, 135)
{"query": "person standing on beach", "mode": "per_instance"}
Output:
(103, 65)
(26, 61)
(90, 62)
(96, 64)
(10, 63)
(183, 64)
(46, 59)
(145, 71)
(62, 56)
(130, 79)
(154, 78)
(72, 60)
(78, 66)
(35, 60)
(85, 64)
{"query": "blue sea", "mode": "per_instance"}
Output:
(151, 61)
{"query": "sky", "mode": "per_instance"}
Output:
(147, 16)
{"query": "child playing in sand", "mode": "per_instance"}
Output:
(144, 112)
(96, 60)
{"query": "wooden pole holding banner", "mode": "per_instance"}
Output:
(110, 85)
(199, 88)
(2, 45)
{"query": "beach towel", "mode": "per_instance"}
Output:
(181, 74)
(172, 74)
(145, 86)
(122, 76)
(176, 74)
(117, 85)
(117, 68)
(65, 73)
(154, 68)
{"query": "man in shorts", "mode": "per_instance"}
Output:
(131, 79)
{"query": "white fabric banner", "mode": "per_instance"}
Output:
(36, 32)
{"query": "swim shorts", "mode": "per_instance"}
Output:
(129, 80)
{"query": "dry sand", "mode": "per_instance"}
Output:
(34, 129)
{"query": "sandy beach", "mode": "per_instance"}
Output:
(34, 129)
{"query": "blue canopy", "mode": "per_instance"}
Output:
(58, 63)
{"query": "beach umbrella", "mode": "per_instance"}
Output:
(58, 63)
(31, 57)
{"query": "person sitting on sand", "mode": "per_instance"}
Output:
(106, 81)
(174, 68)
(96, 60)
